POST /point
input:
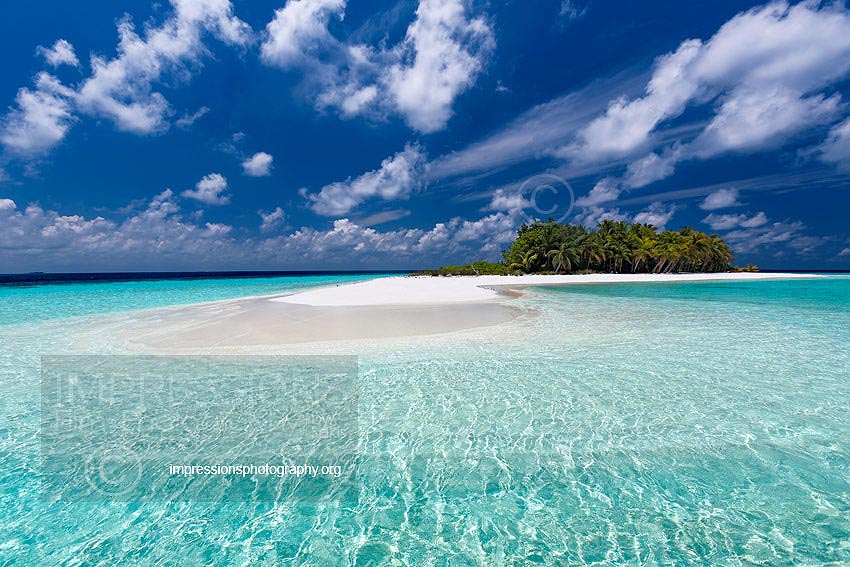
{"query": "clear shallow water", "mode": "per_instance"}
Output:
(632, 424)
(29, 303)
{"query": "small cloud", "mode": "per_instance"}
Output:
(593, 215)
(382, 217)
(728, 222)
(651, 168)
(604, 191)
(845, 252)
(836, 148)
(62, 53)
(232, 145)
(188, 119)
(657, 215)
(396, 179)
(721, 199)
(215, 229)
(258, 165)
(210, 190)
(570, 11)
(271, 220)
(41, 119)
(507, 199)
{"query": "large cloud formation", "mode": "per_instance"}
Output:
(442, 53)
(766, 72)
(120, 89)
(160, 236)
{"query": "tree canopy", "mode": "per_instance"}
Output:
(613, 247)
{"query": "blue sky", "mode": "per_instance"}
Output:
(218, 134)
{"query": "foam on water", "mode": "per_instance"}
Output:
(634, 424)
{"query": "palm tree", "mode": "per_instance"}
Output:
(696, 249)
(719, 254)
(643, 253)
(592, 251)
(669, 251)
(615, 247)
(527, 264)
(563, 256)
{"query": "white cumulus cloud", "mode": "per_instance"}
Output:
(443, 52)
(604, 191)
(211, 190)
(298, 29)
(440, 58)
(836, 148)
(272, 219)
(728, 222)
(720, 199)
(62, 53)
(657, 215)
(121, 89)
(762, 118)
(394, 180)
(766, 71)
(40, 119)
(627, 125)
(258, 165)
(747, 239)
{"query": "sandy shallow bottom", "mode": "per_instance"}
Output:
(246, 324)
(621, 425)
(387, 308)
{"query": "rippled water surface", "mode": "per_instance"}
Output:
(40, 301)
(628, 424)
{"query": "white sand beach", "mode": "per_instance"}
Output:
(390, 307)
(423, 290)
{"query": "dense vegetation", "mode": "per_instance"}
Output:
(614, 247)
(473, 269)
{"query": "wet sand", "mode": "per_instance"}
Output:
(426, 290)
(259, 322)
(376, 309)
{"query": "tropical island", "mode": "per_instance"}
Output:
(613, 247)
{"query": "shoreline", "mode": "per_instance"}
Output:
(442, 290)
(382, 308)
(252, 323)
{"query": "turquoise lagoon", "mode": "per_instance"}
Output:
(622, 424)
